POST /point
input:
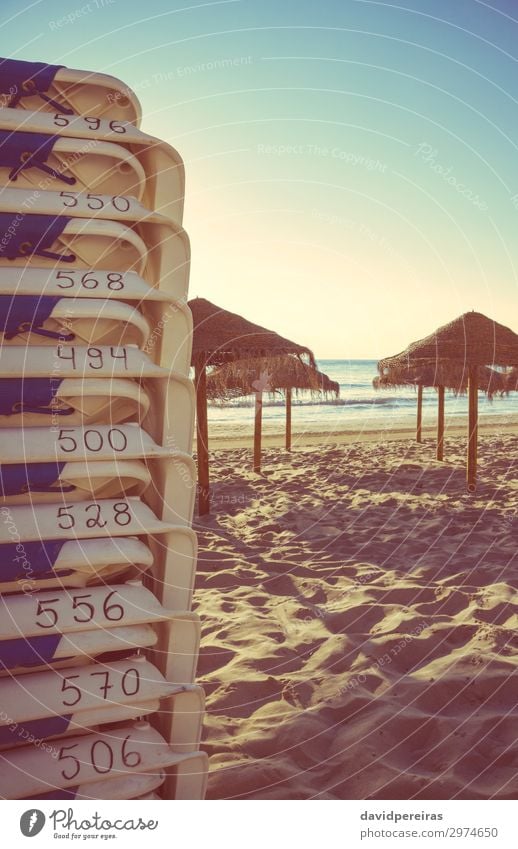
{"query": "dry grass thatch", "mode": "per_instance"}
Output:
(511, 382)
(451, 375)
(471, 339)
(267, 374)
(220, 336)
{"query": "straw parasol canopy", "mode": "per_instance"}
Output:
(267, 374)
(468, 344)
(472, 339)
(219, 337)
(453, 376)
(275, 374)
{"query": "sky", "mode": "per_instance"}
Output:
(351, 165)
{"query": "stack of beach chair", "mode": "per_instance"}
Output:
(98, 644)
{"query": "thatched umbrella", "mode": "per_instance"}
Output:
(469, 342)
(253, 377)
(454, 378)
(220, 337)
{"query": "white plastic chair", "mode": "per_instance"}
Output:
(73, 401)
(108, 232)
(67, 91)
(77, 443)
(162, 165)
(80, 648)
(145, 168)
(81, 520)
(45, 483)
(87, 362)
(108, 607)
(79, 321)
(95, 692)
(75, 282)
(75, 563)
(170, 321)
(137, 749)
(86, 165)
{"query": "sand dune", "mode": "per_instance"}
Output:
(359, 623)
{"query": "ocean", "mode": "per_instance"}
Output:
(358, 407)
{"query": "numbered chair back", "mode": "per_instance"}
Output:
(80, 284)
(29, 402)
(78, 361)
(79, 697)
(50, 563)
(128, 758)
(82, 520)
(136, 748)
(46, 319)
(94, 231)
(168, 322)
(39, 483)
(92, 155)
(53, 88)
(76, 443)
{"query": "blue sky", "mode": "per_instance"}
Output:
(352, 175)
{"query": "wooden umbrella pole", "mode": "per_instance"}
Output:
(288, 420)
(257, 430)
(419, 427)
(440, 423)
(471, 471)
(202, 439)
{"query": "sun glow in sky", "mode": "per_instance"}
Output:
(352, 178)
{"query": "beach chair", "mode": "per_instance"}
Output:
(38, 86)
(29, 566)
(25, 655)
(38, 153)
(72, 699)
(30, 401)
(51, 702)
(81, 520)
(170, 338)
(45, 319)
(137, 748)
(98, 231)
(42, 483)
(87, 164)
(78, 283)
(67, 611)
(77, 361)
(76, 443)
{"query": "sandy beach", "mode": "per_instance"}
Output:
(359, 620)
(406, 431)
